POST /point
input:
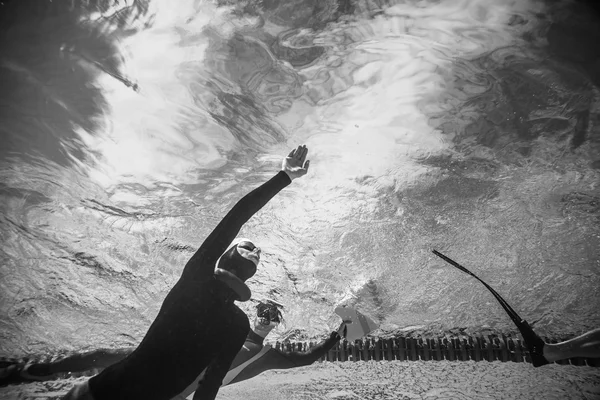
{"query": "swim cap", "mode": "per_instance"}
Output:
(232, 261)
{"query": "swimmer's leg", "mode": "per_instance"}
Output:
(533, 342)
(586, 345)
(97, 359)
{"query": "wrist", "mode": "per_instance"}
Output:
(289, 174)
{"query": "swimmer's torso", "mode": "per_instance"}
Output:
(178, 345)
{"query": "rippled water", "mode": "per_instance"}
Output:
(129, 130)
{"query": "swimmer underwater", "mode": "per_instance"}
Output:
(198, 326)
(252, 359)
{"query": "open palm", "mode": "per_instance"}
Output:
(296, 164)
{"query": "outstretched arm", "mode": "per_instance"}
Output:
(277, 359)
(77, 362)
(203, 261)
(101, 358)
(300, 359)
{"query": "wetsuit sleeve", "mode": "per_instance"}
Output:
(203, 261)
(277, 359)
(299, 358)
(211, 382)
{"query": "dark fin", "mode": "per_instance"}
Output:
(535, 344)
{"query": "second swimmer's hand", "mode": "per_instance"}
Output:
(343, 329)
(295, 164)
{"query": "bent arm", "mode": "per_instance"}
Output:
(203, 261)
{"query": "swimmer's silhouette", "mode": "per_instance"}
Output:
(198, 326)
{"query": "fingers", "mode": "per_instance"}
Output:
(304, 151)
(300, 153)
(296, 164)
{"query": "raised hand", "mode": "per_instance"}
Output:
(296, 164)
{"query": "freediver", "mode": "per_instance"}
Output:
(198, 326)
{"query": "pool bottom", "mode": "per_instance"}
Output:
(388, 380)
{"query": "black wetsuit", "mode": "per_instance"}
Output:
(279, 359)
(270, 359)
(196, 327)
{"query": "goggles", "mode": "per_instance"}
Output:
(247, 245)
(267, 314)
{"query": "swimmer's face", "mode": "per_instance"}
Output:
(249, 251)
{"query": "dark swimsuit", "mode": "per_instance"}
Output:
(269, 359)
(196, 327)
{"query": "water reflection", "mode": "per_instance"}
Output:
(430, 124)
